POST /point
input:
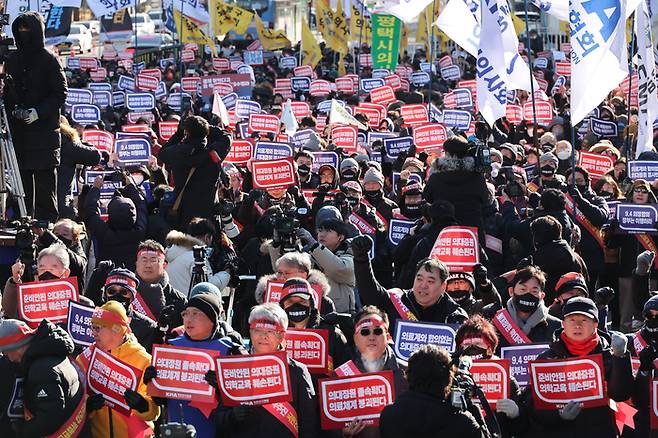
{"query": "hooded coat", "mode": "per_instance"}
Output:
(37, 81)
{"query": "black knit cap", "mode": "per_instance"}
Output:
(209, 304)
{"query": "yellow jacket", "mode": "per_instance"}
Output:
(132, 353)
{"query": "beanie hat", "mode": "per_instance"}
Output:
(209, 304)
(313, 143)
(569, 281)
(547, 157)
(581, 306)
(353, 185)
(327, 212)
(651, 304)
(296, 287)
(335, 225)
(124, 278)
(413, 187)
(112, 315)
(496, 153)
(14, 334)
(349, 163)
(413, 162)
(548, 138)
(373, 175)
(205, 288)
(466, 276)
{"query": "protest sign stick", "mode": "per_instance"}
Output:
(430, 55)
(627, 142)
(532, 82)
(573, 166)
(357, 59)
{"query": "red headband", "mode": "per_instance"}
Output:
(121, 279)
(473, 339)
(415, 186)
(373, 321)
(23, 332)
(149, 252)
(266, 324)
(105, 316)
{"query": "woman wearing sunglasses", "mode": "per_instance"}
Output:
(630, 246)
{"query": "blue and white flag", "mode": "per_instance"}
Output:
(491, 69)
(599, 59)
(192, 9)
(557, 8)
(646, 72)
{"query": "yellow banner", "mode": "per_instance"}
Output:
(325, 19)
(404, 40)
(311, 53)
(342, 32)
(271, 39)
(192, 32)
(226, 18)
(360, 27)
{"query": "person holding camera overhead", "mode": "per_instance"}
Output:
(34, 92)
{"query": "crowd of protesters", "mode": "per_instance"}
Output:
(550, 253)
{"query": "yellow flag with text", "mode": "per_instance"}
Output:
(360, 26)
(192, 32)
(404, 39)
(226, 18)
(425, 23)
(271, 39)
(311, 52)
(326, 26)
(342, 32)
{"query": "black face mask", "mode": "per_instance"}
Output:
(412, 211)
(303, 170)
(507, 161)
(548, 171)
(125, 302)
(373, 196)
(460, 295)
(651, 325)
(605, 194)
(65, 241)
(476, 352)
(324, 187)
(582, 188)
(298, 312)
(48, 276)
(352, 201)
(526, 303)
(349, 174)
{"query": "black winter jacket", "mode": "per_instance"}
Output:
(72, 155)
(595, 209)
(556, 258)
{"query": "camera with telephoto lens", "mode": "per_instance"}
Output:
(223, 208)
(481, 154)
(25, 242)
(286, 225)
(513, 188)
(199, 252)
(463, 389)
(177, 430)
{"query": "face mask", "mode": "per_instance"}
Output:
(325, 187)
(459, 295)
(507, 161)
(582, 188)
(651, 325)
(125, 302)
(303, 170)
(373, 196)
(298, 312)
(476, 352)
(48, 276)
(25, 36)
(564, 155)
(605, 194)
(65, 241)
(352, 201)
(526, 303)
(412, 211)
(547, 171)
(349, 174)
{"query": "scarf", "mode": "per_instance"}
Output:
(581, 348)
(539, 315)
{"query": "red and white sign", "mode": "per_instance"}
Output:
(304, 70)
(49, 300)
(563, 68)
(450, 101)
(187, 55)
(101, 140)
(98, 74)
(492, 376)
(147, 82)
(345, 85)
(154, 72)
(430, 137)
(556, 382)
(374, 115)
(634, 83)
(274, 293)
(109, 52)
(300, 109)
(282, 83)
(403, 71)
(286, 93)
(191, 46)
(596, 164)
(264, 123)
(445, 61)
(223, 88)
(88, 63)
(320, 87)
(543, 84)
(221, 64)
(514, 114)
(271, 174)
(383, 95)
(241, 152)
(111, 377)
(393, 81)
(345, 137)
(355, 82)
(544, 112)
(136, 128)
(256, 380)
(190, 84)
(181, 373)
(167, 129)
(364, 397)
(310, 347)
(414, 114)
(458, 248)
(134, 117)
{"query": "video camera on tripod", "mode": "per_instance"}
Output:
(25, 243)
(464, 391)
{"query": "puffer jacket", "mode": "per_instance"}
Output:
(338, 267)
(132, 353)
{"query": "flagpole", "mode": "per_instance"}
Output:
(135, 33)
(532, 82)
(356, 58)
(629, 149)
(180, 49)
(430, 55)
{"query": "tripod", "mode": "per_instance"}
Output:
(199, 270)
(11, 182)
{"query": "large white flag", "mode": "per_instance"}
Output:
(646, 71)
(491, 68)
(100, 7)
(219, 109)
(288, 118)
(338, 114)
(192, 9)
(599, 59)
(405, 10)
(557, 8)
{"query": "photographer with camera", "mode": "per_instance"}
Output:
(34, 92)
(425, 409)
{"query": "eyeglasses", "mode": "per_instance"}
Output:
(640, 190)
(191, 314)
(118, 291)
(377, 331)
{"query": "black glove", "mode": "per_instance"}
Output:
(135, 401)
(95, 402)
(525, 262)
(480, 274)
(166, 316)
(294, 191)
(575, 193)
(150, 373)
(242, 413)
(604, 295)
(647, 357)
(105, 266)
(423, 156)
(361, 246)
(211, 379)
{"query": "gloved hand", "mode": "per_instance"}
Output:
(32, 116)
(647, 356)
(507, 407)
(361, 246)
(480, 274)
(604, 295)
(294, 191)
(524, 263)
(575, 193)
(95, 402)
(570, 411)
(211, 378)
(242, 412)
(305, 237)
(150, 373)
(135, 401)
(165, 317)
(105, 266)
(618, 343)
(644, 262)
